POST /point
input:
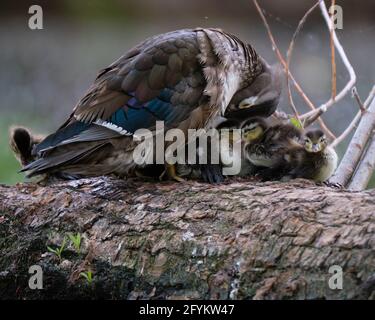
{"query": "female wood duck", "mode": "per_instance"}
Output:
(185, 78)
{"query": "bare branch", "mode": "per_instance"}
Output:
(333, 59)
(288, 73)
(308, 122)
(356, 147)
(289, 54)
(281, 58)
(316, 117)
(355, 120)
(365, 169)
(347, 131)
(358, 99)
(349, 67)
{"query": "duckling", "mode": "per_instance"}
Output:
(253, 130)
(266, 144)
(22, 142)
(314, 159)
(232, 159)
(229, 148)
(317, 161)
(213, 172)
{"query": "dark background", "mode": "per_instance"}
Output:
(44, 72)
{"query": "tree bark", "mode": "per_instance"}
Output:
(238, 240)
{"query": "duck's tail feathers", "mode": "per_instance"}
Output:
(64, 156)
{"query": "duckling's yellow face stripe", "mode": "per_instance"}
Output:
(308, 145)
(252, 134)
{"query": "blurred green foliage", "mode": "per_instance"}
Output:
(112, 10)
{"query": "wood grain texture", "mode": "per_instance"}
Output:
(238, 240)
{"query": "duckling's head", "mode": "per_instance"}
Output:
(253, 129)
(315, 141)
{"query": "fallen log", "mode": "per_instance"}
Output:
(142, 240)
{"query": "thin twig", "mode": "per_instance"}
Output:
(355, 120)
(353, 78)
(290, 50)
(333, 59)
(288, 73)
(358, 99)
(308, 122)
(347, 131)
(281, 58)
(325, 128)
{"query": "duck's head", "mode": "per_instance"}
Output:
(253, 129)
(261, 97)
(315, 141)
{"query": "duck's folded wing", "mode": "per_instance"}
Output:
(163, 69)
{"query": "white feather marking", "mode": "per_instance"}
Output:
(248, 102)
(113, 127)
(224, 78)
